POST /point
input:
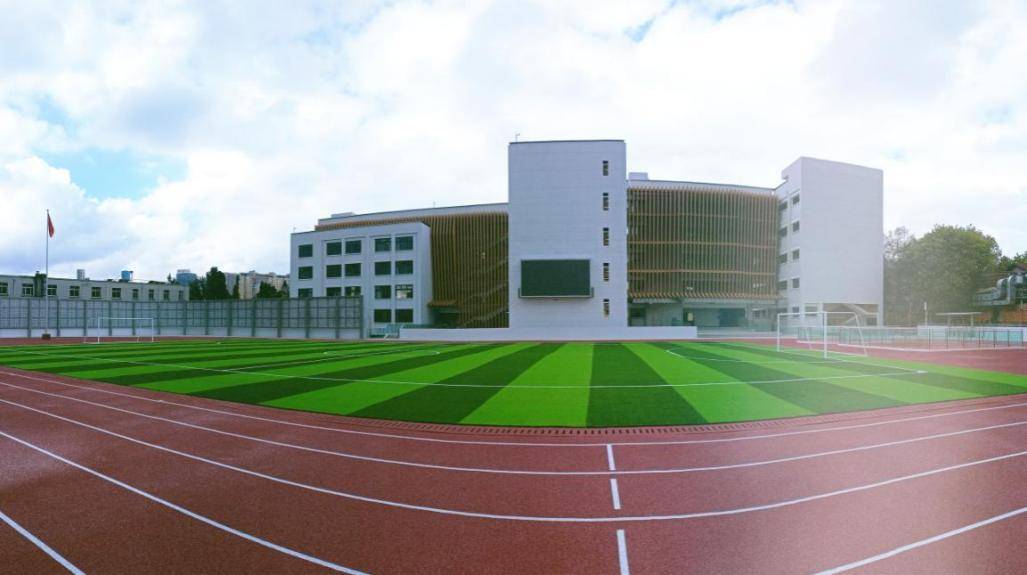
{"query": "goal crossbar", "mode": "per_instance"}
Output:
(135, 324)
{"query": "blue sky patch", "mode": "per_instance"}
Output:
(116, 173)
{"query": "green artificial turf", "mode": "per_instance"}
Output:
(532, 384)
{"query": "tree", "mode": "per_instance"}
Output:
(235, 289)
(284, 291)
(215, 286)
(266, 290)
(197, 289)
(942, 268)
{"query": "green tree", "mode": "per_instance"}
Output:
(197, 289)
(235, 289)
(215, 286)
(284, 291)
(266, 290)
(942, 268)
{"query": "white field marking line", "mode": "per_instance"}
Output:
(515, 443)
(615, 493)
(622, 553)
(922, 542)
(39, 543)
(525, 387)
(612, 468)
(528, 518)
(184, 511)
(699, 358)
(334, 356)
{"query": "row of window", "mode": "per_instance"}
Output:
(401, 291)
(783, 258)
(783, 284)
(335, 248)
(784, 230)
(784, 204)
(95, 292)
(402, 316)
(402, 268)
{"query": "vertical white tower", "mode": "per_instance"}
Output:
(568, 206)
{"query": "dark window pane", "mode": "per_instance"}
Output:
(352, 291)
(352, 270)
(383, 316)
(306, 272)
(382, 292)
(333, 271)
(306, 250)
(333, 292)
(305, 292)
(382, 268)
(353, 246)
(404, 267)
(404, 243)
(333, 248)
(404, 316)
(382, 244)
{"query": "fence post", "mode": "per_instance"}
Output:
(85, 319)
(306, 318)
(338, 316)
(360, 316)
(185, 319)
(28, 318)
(253, 318)
(281, 304)
(156, 320)
(231, 312)
(206, 317)
(57, 313)
(132, 310)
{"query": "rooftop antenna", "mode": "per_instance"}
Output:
(517, 137)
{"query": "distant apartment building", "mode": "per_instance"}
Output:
(249, 282)
(82, 288)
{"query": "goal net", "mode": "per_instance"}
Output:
(121, 329)
(816, 329)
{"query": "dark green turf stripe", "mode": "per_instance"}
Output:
(278, 388)
(444, 404)
(945, 381)
(815, 395)
(607, 407)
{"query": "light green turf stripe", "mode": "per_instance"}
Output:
(716, 403)
(357, 395)
(904, 388)
(571, 364)
(219, 380)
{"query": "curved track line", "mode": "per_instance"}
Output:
(922, 542)
(474, 385)
(526, 518)
(612, 470)
(184, 511)
(40, 544)
(514, 443)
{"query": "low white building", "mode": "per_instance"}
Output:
(21, 286)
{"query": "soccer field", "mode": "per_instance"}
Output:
(529, 384)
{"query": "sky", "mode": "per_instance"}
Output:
(166, 135)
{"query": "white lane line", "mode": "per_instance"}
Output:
(184, 511)
(611, 464)
(525, 387)
(922, 542)
(40, 544)
(615, 493)
(94, 388)
(528, 518)
(622, 553)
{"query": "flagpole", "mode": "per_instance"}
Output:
(46, 281)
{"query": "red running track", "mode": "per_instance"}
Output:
(116, 479)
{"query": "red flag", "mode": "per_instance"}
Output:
(49, 224)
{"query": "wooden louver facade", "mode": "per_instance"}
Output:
(469, 266)
(694, 241)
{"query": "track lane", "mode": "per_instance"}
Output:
(20, 554)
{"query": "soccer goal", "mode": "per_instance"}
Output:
(121, 328)
(816, 328)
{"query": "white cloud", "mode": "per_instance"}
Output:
(284, 113)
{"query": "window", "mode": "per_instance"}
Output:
(94, 293)
(115, 293)
(795, 226)
(795, 199)
(795, 282)
(606, 201)
(74, 291)
(782, 258)
(382, 292)
(382, 268)
(352, 291)
(151, 295)
(404, 243)
(333, 248)
(181, 295)
(305, 292)
(51, 290)
(333, 291)
(306, 272)
(795, 309)
(333, 271)
(353, 246)
(782, 285)
(306, 250)
(606, 308)
(28, 291)
(352, 270)
(606, 236)
(606, 271)
(383, 316)
(135, 293)
(167, 295)
(606, 167)
(782, 206)
(3, 289)
(795, 254)
(383, 244)
(404, 267)
(782, 232)
(404, 316)
(405, 291)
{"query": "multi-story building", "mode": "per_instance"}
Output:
(249, 282)
(584, 245)
(15, 286)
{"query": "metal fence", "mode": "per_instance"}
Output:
(309, 317)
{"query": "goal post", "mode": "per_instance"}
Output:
(814, 328)
(140, 328)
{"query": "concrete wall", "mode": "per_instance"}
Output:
(551, 334)
(841, 235)
(556, 212)
(287, 333)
